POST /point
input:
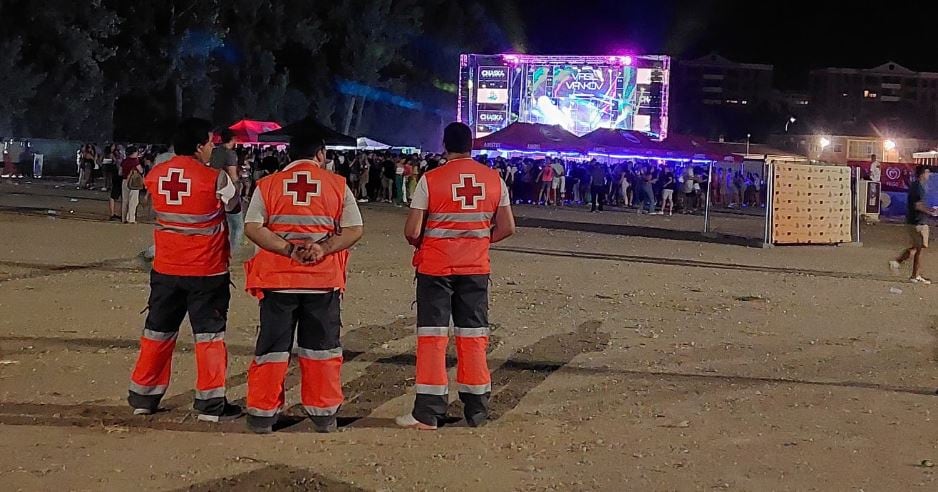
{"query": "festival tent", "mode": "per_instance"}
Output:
(531, 138)
(247, 131)
(365, 143)
(618, 142)
(332, 138)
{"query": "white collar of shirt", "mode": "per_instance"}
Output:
(301, 161)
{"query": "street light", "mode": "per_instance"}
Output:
(790, 121)
(889, 145)
(825, 142)
(748, 136)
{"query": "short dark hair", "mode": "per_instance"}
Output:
(191, 133)
(226, 135)
(305, 145)
(131, 149)
(920, 170)
(457, 138)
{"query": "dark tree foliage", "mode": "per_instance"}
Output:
(114, 69)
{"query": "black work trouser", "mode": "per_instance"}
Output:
(599, 197)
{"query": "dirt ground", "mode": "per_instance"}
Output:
(623, 359)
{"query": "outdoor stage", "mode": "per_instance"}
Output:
(619, 362)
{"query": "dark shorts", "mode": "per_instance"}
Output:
(116, 183)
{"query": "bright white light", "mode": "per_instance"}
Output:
(792, 119)
(825, 142)
(469, 83)
(889, 145)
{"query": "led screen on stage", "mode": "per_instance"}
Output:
(580, 94)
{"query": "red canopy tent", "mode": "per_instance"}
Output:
(617, 142)
(532, 138)
(246, 131)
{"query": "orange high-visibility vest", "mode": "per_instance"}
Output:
(303, 203)
(190, 236)
(463, 199)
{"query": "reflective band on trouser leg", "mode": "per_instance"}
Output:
(431, 364)
(472, 373)
(265, 383)
(150, 377)
(321, 381)
(211, 358)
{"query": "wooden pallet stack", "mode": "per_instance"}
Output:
(811, 204)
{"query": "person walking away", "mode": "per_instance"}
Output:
(399, 197)
(190, 275)
(131, 181)
(303, 220)
(917, 219)
(687, 190)
(546, 180)
(457, 211)
(388, 168)
(597, 187)
(88, 156)
(108, 167)
(558, 185)
(225, 159)
(648, 189)
(667, 192)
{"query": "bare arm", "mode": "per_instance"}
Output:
(266, 239)
(341, 241)
(504, 224)
(413, 228)
(921, 207)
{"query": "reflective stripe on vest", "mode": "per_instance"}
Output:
(191, 231)
(460, 217)
(187, 218)
(441, 233)
(320, 220)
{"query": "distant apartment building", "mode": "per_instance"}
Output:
(713, 80)
(888, 92)
(709, 93)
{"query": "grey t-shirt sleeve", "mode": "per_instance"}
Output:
(505, 199)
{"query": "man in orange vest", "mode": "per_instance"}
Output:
(190, 275)
(303, 220)
(457, 211)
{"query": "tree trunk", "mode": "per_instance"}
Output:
(346, 125)
(358, 116)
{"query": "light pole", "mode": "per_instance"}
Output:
(748, 136)
(790, 121)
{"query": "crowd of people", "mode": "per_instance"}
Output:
(391, 177)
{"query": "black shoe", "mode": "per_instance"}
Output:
(229, 413)
(263, 427)
(116, 217)
(477, 420)
(324, 425)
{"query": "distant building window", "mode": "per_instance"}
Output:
(838, 148)
(860, 149)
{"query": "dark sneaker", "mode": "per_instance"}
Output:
(258, 428)
(477, 420)
(143, 411)
(324, 425)
(229, 413)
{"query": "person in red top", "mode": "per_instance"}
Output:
(457, 211)
(190, 275)
(303, 219)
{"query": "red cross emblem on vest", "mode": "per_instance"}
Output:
(174, 186)
(468, 192)
(301, 188)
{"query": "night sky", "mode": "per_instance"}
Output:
(794, 36)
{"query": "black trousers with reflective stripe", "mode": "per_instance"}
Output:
(205, 299)
(315, 318)
(465, 300)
